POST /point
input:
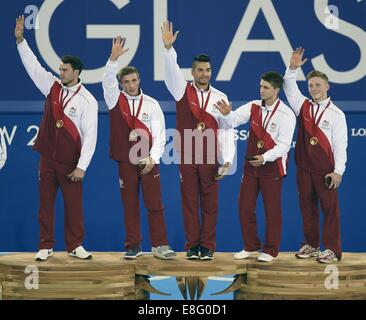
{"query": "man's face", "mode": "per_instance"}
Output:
(318, 88)
(67, 74)
(131, 84)
(267, 90)
(202, 73)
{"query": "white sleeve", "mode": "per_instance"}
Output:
(226, 138)
(339, 143)
(293, 94)
(174, 79)
(240, 116)
(283, 144)
(227, 145)
(111, 90)
(42, 79)
(89, 128)
(158, 134)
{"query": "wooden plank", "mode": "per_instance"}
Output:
(106, 276)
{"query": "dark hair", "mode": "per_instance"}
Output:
(315, 73)
(126, 71)
(200, 58)
(274, 78)
(75, 62)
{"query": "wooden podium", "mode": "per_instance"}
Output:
(106, 276)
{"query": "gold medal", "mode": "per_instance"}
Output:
(133, 136)
(260, 144)
(314, 141)
(59, 124)
(201, 126)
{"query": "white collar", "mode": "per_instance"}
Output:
(133, 97)
(269, 108)
(73, 88)
(322, 103)
(198, 89)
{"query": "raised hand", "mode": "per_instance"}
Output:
(167, 33)
(117, 48)
(223, 107)
(296, 58)
(19, 29)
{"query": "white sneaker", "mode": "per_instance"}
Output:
(80, 253)
(327, 256)
(307, 251)
(244, 254)
(163, 252)
(44, 254)
(265, 257)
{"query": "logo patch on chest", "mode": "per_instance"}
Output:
(325, 124)
(72, 112)
(145, 116)
(273, 127)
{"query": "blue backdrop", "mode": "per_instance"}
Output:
(244, 39)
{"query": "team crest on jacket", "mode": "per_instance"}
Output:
(72, 112)
(325, 124)
(273, 127)
(145, 116)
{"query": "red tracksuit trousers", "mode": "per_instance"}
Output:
(53, 175)
(129, 188)
(312, 190)
(199, 191)
(271, 194)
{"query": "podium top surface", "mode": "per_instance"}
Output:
(223, 264)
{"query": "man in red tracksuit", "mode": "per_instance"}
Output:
(272, 125)
(321, 155)
(66, 141)
(134, 115)
(201, 145)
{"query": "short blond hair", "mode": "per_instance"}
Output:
(316, 73)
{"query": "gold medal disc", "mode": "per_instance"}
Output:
(314, 141)
(59, 124)
(260, 144)
(201, 126)
(133, 136)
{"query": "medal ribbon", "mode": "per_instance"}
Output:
(265, 125)
(316, 123)
(204, 105)
(134, 117)
(62, 101)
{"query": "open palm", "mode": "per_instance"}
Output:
(296, 58)
(19, 29)
(168, 35)
(223, 107)
(118, 47)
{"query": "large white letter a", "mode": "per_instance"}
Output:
(241, 43)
